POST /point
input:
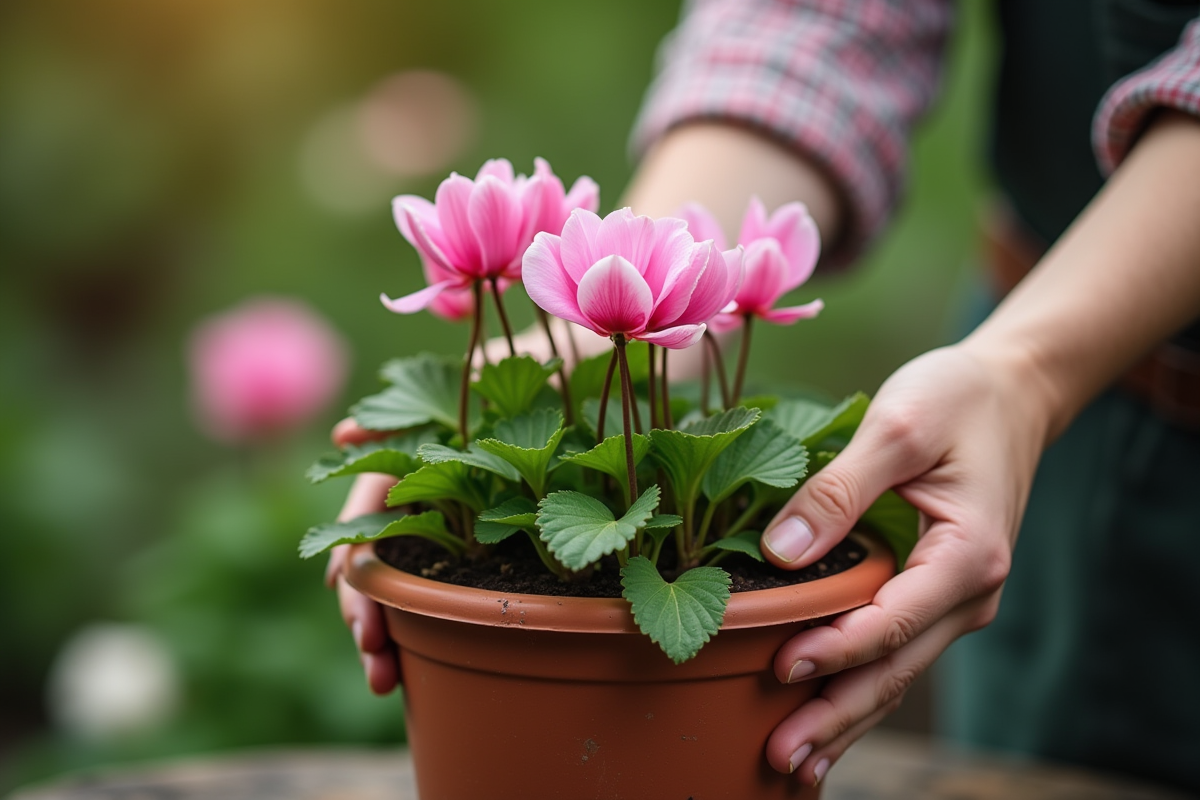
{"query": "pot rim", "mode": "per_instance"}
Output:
(823, 597)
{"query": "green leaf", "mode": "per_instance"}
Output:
(745, 543)
(679, 617)
(687, 454)
(609, 457)
(528, 443)
(813, 423)
(513, 384)
(450, 480)
(897, 521)
(370, 527)
(764, 454)
(424, 389)
(511, 516)
(579, 529)
(664, 522)
(394, 456)
(474, 456)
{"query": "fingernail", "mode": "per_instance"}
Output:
(820, 769)
(798, 757)
(800, 670)
(356, 630)
(789, 539)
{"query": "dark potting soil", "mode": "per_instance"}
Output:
(514, 567)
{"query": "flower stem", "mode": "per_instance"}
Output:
(464, 395)
(562, 372)
(653, 410)
(627, 399)
(608, 376)
(668, 423)
(705, 380)
(508, 334)
(715, 351)
(743, 360)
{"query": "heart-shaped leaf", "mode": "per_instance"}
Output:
(527, 442)
(393, 456)
(579, 529)
(609, 457)
(764, 454)
(474, 456)
(813, 423)
(449, 480)
(370, 527)
(679, 617)
(513, 384)
(424, 389)
(687, 454)
(511, 516)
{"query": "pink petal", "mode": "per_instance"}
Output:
(701, 224)
(716, 288)
(499, 168)
(417, 301)
(676, 338)
(547, 281)
(766, 276)
(422, 239)
(754, 222)
(725, 322)
(614, 296)
(672, 254)
(681, 301)
(786, 316)
(453, 304)
(735, 260)
(585, 193)
(541, 197)
(453, 196)
(578, 243)
(496, 219)
(631, 237)
(800, 240)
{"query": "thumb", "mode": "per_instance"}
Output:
(829, 503)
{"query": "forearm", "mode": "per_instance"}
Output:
(1124, 277)
(720, 166)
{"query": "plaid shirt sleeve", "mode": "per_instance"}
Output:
(840, 81)
(1173, 81)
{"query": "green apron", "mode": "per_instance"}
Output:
(1094, 657)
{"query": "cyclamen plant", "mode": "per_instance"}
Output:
(483, 455)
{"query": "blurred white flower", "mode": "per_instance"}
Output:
(113, 680)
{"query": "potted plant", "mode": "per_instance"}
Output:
(564, 545)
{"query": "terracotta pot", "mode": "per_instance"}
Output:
(528, 697)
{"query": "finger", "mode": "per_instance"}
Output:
(364, 617)
(814, 767)
(945, 571)
(349, 432)
(881, 455)
(851, 697)
(382, 670)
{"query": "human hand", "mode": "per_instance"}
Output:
(958, 432)
(362, 615)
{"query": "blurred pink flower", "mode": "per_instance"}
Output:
(480, 229)
(781, 253)
(267, 366)
(644, 278)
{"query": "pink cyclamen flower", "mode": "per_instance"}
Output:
(265, 367)
(644, 278)
(479, 229)
(781, 254)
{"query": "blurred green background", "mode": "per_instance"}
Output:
(160, 162)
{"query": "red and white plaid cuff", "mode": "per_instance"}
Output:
(842, 82)
(1172, 81)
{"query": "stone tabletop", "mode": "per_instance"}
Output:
(883, 766)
